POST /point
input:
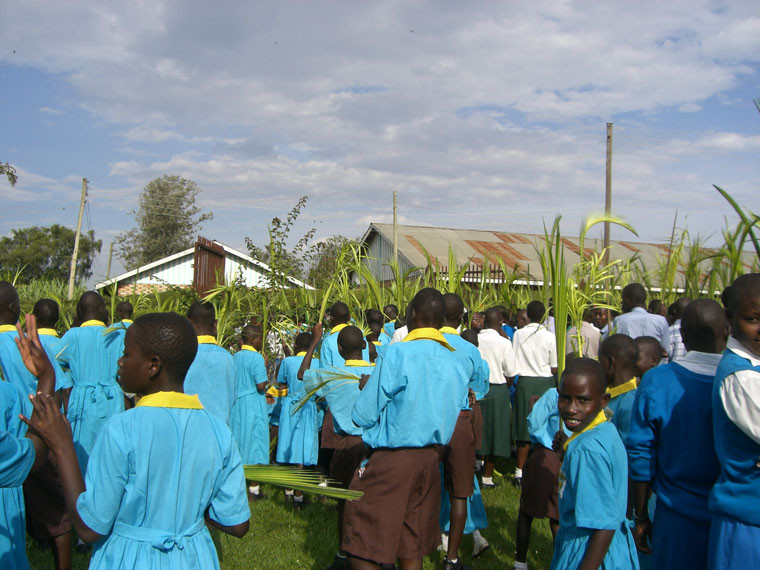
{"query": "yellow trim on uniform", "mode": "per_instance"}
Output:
(48, 332)
(128, 321)
(7, 328)
(206, 339)
(600, 418)
(170, 400)
(248, 347)
(351, 362)
(275, 393)
(616, 391)
(93, 323)
(377, 342)
(428, 333)
(448, 330)
(338, 328)
(302, 353)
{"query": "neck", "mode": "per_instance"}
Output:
(355, 355)
(623, 376)
(163, 384)
(199, 331)
(8, 320)
(452, 324)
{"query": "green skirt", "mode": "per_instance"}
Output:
(496, 422)
(527, 387)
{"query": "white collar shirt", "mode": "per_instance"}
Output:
(535, 351)
(498, 354)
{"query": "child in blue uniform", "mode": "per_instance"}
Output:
(391, 316)
(160, 472)
(250, 417)
(122, 320)
(735, 498)
(650, 354)
(47, 313)
(674, 401)
(212, 375)
(618, 355)
(593, 491)
(95, 396)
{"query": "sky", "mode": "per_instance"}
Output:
(481, 115)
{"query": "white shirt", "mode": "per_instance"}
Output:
(399, 334)
(535, 350)
(740, 393)
(498, 354)
(591, 340)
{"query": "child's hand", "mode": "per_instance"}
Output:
(316, 331)
(48, 422)
(471, 398)
(642, 534)
(34, 356)
(363, 380)
(558, 444)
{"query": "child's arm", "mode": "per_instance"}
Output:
(597, 548)
(643, 526)
(316, 334)
(238, 530)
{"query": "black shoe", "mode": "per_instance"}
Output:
(517, 482)
(449, 565)
(298, 505)
(340, 563)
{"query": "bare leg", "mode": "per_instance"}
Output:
(524, 522)
(458, 518)
(62, 551)
(523, 447)
(410, 563)
(488, 466)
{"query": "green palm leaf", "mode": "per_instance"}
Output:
(298, 479)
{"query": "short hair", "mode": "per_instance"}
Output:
(587, 367)
(374, 316)
(622, 347)
(251, 332)
(470, 336)
(303, 340)
(704, 323)
(725, 297)
(744, 287)
(536, 311)
(169, 336)
(676, 309)
(8, 293)
(340, 313)
(493, 317)
(649, 344)
(125, 308)
(454, 307)
(635, 292)
(47, 313)
(390, 311)
(351, 338)
(428, 307)
(90, 303)
(202, 313)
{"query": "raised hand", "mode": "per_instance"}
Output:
(34, 356)
(48, 422)
(316, 331)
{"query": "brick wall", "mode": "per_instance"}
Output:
(128, 289)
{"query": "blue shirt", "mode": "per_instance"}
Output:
(475, 365)
(413, 397)
(622, 408)
(641, 323)
(16, 372)
(340, 395)
(115, 338)
(390, 328)
(212, 377)
(543, 419)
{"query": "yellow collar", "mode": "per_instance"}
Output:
(248, 347)
(351, 362)
(7, 328)
(338, 328)
(616, 391)
(428, 333)
(93, 323)
(128, 321)
(377, 342)
(47, 332)
(302, 353)
(171, 400)
(206, 339)
(448, 330)
(600, 418)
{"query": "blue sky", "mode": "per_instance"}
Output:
(481, 115)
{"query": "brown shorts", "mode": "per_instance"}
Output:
(540, 484)
(459, 458)
(477, 424)
(330, 439)
(398, 515)
(46, 515)
(347, 458)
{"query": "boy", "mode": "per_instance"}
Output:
(47, 313)
(409, 405)
(95, 396)
(150, 488)
(249, 419)
(593, 497)
(636, 321)
(735, 498)
(676, 348)
(212, 375)
(650, 354)
(391, 315)
(536, 364)
(674, 401)
(618, 355)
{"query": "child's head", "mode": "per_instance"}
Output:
(470, 336)
(618, 355)
(657, 307)
(351, 343)
(632, 296)
(157, 347)
(675, 311)
(704, 327)
(302, 342)
(521, 318)
(10, 308)
(91, 306)
(744, 311)
(124, 310)
(390, 312)
(599, 317)
(47, 313)
(478, 320)
(339, 314)
(202, 316)
(454, 309)
(536, 311)
(426, 309)
(494, 318)
(650, 353)
(252, 335)
(582, 393)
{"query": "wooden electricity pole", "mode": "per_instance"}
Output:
(73, 271)
(395, 230)
(608, 195)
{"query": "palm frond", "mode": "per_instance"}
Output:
(298, 479)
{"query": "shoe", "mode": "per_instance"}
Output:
(484, 485)
(82, 547)
(517, 482)
(480, 547)
(253, 497)
(449, 565)
(340, 563)
(444, 546)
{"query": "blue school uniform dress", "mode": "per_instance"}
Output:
(53, 346)
(14, 370)
(212, 377)
(96, 396)
(249, 420)
(340, 394)
(735, 497)
(153, 473)
(672, 409)
(621, 406)
(593, 495)
(16, 459)
(115, 338)
(390, 328)
(329, 356)
(298, 435)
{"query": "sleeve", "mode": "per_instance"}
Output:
(641, 444)
(538, 418)
(229, 505)
(281, 373)
(107, 475)
(740, 395)
(259, 370)
(508, 360)
(665, 333)
(480, 374)
(64, 354)
(377, 392)
(552, 346)
(596, 503)
(671, 345)
(16, 459)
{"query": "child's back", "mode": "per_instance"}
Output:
(212, 377)
(250, 417)
(298, 436)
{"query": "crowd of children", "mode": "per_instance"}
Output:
(645, 452)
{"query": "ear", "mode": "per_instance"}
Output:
(605, 400)
(364, 344)
(154, 367)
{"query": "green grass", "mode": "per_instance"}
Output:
(282, 538)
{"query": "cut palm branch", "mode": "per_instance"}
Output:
(299, 480)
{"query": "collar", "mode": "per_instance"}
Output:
(7, 328)
(47, 332)
(93, 323)
(302, 353)
(738, 348)
(206, 339)
(616, 391)
(448, 330)
(377, 342)
(170, 400)
(705, 363)
(428, 333)
(351, 362)
(600, 418)
(248, 347)
(338, 328)
(639, 310)
(127, 321)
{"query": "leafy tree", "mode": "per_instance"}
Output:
(167, 221)
(9, 172)
(45, 252)
(323, 259)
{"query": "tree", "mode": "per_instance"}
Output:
(9, 172)
(322, 260)
(167, 221)
(45, 252)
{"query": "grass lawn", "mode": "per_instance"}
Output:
(281, 538)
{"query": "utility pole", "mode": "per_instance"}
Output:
(608, 195)
(110, 255)
(395, 230)
(73, 271)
